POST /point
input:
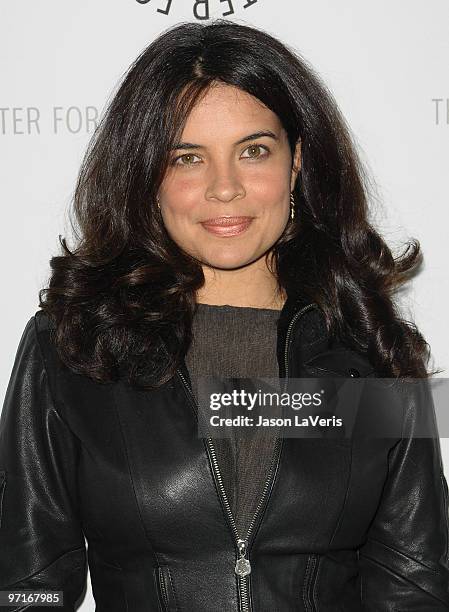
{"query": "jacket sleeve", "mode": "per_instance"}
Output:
(41, 539)
(404, 563)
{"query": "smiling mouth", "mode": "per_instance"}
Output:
(226, 220)
(227, 226)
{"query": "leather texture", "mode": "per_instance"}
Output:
(118, 478)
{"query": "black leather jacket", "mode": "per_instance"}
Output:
(342, 526)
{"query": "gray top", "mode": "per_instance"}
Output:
(237, 342)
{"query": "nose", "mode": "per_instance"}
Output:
(224, 184)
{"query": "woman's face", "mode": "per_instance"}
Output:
(234, 161)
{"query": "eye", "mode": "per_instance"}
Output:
(255, 147)
(187, 156)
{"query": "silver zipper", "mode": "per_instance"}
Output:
(287, 337)
(243, 566)
(309, 600)
(163, 588)
(445, 506)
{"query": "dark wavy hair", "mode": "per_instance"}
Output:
(126, 282)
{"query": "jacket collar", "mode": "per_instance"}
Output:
(302, 333)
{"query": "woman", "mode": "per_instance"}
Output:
(223, 230)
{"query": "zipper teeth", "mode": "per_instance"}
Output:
(222, 489)
(163, 588)
(278, 440)
(266, 486)
(243, 580)
(299, 313)
(445, 509)
(311, 583)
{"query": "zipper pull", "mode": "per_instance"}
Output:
(242, 566)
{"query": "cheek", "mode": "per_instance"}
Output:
(271, 196)
(180, 204)
(270, 183)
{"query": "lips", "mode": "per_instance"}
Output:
(227, 221)
(227, 226)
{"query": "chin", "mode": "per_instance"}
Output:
(227, 261)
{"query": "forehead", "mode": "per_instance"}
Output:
(229, 110)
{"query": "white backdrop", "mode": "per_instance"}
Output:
(386, 63)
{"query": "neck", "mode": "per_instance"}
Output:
(253, 285)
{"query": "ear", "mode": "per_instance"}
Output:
(296, 167)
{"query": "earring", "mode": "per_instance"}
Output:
(158, 203)
(292, 209)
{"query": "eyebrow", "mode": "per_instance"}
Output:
(189, 145)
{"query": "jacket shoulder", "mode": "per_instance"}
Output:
(36, 338)
(28, 343)
(43, 321)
